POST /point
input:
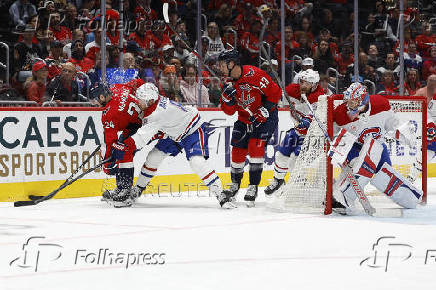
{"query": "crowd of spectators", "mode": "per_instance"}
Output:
(55, 44)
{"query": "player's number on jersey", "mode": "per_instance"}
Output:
(133, 106)
(263, 82)
(108, 125)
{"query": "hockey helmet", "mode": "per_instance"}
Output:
(310, 76)
(99, 89)
(356, 91)
(229, 55)
(147, 92)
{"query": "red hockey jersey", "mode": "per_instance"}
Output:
(253, 88)
(121, 113)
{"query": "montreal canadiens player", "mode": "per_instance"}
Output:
(121, 118)
(428, 91)
(252, 94)
(178, 128)
(365, 120)
(289, 148)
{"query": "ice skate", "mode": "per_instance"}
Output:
(250, 195)
(274, 186)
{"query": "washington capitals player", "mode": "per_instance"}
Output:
(121, 118)
(178, 128)
(364, 120)
(253, 95)
(289, 148)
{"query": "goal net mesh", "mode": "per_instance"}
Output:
(312, 179)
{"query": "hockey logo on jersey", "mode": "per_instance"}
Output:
(374, 132)
(250, 73)
(246, 99)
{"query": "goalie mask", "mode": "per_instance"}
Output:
(357, 98)
(147, 92)
(311, 77)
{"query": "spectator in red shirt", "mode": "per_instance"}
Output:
(242, 21)
(387, 86)
(78, 58)
(250, 42)
(429, 66)
(345, 58)
(54, 59)
(411, 84)
(425, 40)
(291, 45)
(144, 11)
(326, 36)
(60, 32)
(35, 87)
(140, 36)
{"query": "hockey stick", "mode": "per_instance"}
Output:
(36, 197)
(65, 184)
(200, 59)
(363, 199)
(361, 196)
(294, 111)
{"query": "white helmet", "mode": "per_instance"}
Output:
(147, 92)
(310, 76)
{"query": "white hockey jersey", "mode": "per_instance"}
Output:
(377, 123)
(169, 117)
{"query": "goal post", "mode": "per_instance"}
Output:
(311, 184)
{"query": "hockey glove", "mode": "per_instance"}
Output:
(431, 132)
(304, 124)
(118, 150)
(159, 135)
(260, 116)
(110, 168)
(228, 95)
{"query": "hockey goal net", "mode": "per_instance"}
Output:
(311, 183)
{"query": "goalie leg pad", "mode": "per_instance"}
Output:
(149, 169)
(348, 191)
(369, 158)
(397, 187)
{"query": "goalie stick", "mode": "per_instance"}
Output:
(36, 197)
(363, 199)
(65, 184)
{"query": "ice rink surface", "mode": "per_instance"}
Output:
(189, 243)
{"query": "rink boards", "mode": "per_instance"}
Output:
(41, 147)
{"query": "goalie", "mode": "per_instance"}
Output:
(362, 120)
